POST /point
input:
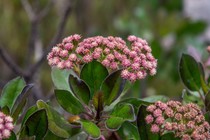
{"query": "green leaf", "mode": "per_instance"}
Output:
(114, 103)
(128, 131)
(60, 78)
(93, 74)
(190, 72)
(24, 94)
(56, 123)
(69, 102)
(50, 136)
(80, 136)
(5, 110)
(80, 89)
(91, 129)
(207, 101)
(114, 123)
(190, 97)
(144, 129)
(112, 87)
(29, 112)
(20, 102)
(136, 103)
(156, 98)
(18, 110)
(169, 136)
(207, 116)
(11, 91)
(37, 124)
(121, 113)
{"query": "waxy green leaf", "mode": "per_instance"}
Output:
(68, 102)
(112, 87)
(11, 91)
(60, 78)
(169, 136)
(80, 89)
(190, 72)
(93, 74)
(91, 129)
(57, 124)
(37, 124)
(20, 102)
(121, 113)
(128, 131)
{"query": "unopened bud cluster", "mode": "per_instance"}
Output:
(6, 126)
(136, 60)
(186, 121)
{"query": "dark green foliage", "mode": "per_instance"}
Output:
(80, 89)
(112, 87)
(93, 74)
(190, 72)
(68, 101)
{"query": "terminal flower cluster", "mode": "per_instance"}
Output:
(112, 52)
(6, 126)
(186, 121)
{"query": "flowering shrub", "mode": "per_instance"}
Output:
(90, 78)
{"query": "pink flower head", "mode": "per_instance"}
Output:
(155, 128)
(61, 64)
(72, 57)
(111, 51)
(76, 37)
(68, 46)
(125, 74)
(149, 119)
(132, 77)
(132, 38)
(153, 71)
(151, 108)
(133, 54)
(157, 112)
(168, 126)
(6, 126)
(159, 120)
(113, 65)
(185, 121)
(106, 62)
(110, 57)
(186, 137)
(63, 53)
(135, 66)
(87, 58)
(126, 63)
(106, 51)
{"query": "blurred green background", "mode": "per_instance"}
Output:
(166, 24)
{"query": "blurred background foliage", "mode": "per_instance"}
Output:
(161, 22)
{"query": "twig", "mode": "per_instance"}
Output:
(45, 11)
(29, 10)
(55, 39)
(10, 63)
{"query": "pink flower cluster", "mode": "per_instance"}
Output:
(186, 121)
(6, 126)
(136, 60)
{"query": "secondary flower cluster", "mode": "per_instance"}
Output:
(6, 126)
(186, 121)
(112, 52)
